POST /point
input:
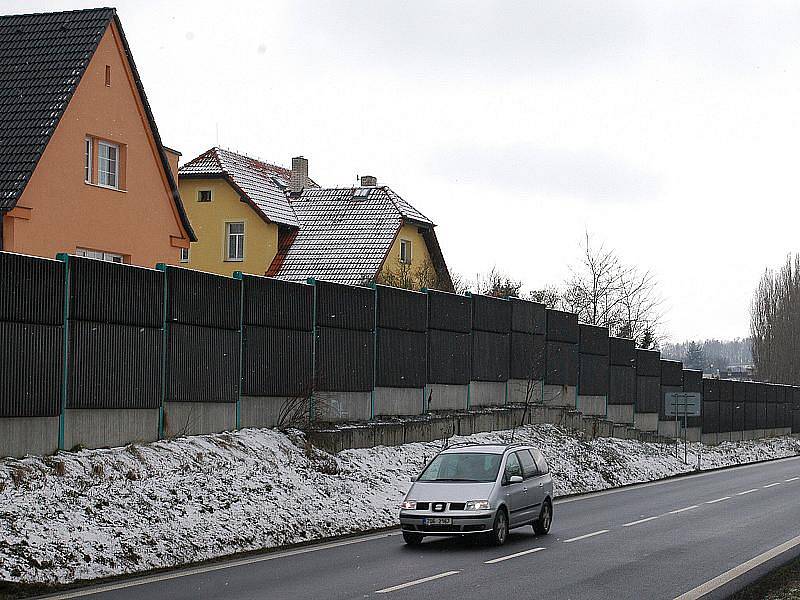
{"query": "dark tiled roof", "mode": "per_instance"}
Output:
(345, 234)
(42, 59)
(262, 184)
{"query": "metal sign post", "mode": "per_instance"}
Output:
(686, 404)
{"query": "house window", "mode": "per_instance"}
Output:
(87, 160)
(234, 234)
(204, 195)
(184, 255)
(405, 252)
(100, 255)
(108, 75)
(108, 164)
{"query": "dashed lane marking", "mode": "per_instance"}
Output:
(791, 479)
(718, 500)
(747, 492)
(632, 523)
(772, 484)
(680, 510)
(402, 586)
(510, 556)
(588, 535)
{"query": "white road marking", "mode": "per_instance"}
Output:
(718, 500)
(772, 484)
(680, 510)
(402, 586)
(728, 576)
(632, 523)
(747, 492)
(791, 479)
(502, 558)
(111, 587)
(588, 535)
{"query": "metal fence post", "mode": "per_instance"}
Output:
(64, 257)
(164, 341)
(238, 275)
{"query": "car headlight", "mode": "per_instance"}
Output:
(409, 505)
(477, 505)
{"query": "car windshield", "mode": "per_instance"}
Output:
(464, 466)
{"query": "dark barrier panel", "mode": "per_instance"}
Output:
(527, 356)
(202, 364)
(762, 393)
(105, 292)
(345, 306)
(725, 405)
(750, 405)
(693, 382)
(621, 352)
(491, 314)
(772, 406)
(402, 309)
(711, 403)
(528, 317)
(796, 420)
(114, 366)
(593, 375)
(648, 394)
(621, 385)
(562, 326)
(671, 381)
(449, 312)
(740, 405)
(197, 298)
(648, 363)
(278, 304)
(593, 340)
(31, 290)
(31, 363)
(561, 363)
(448, 357)
(402, 358)
(490, 356)
(277, 362)
(796, 398)
(345, 360)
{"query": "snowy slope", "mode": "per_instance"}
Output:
(99, 513)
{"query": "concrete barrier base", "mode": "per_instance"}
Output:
(443, 396)
(737, 436)
(559, 395)
(670, 429)
(265, 411)
(710, 439)
(109, 427)
(646, 421)
(620, 431)
(519, 390)
(399, 401)
(197, 418)
(20, 436)
(620, 413)
(592, 405)
(693, 434)
(342, 406)
(757, 434)
(487, 393)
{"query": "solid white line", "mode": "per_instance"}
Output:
(583, 537)
(639, 521)
(502, 558)
(680, 510)
(772, 484)
(417, 582)
(747, 492)
(728, 576)
(791, 479)
(718, 500)
(101, 589)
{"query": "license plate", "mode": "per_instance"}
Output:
(438, 521)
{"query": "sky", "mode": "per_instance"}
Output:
(668, 130)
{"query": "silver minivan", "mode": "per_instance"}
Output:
(481, 489)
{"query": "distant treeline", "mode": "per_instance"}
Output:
(710, 355)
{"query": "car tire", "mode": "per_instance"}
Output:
(412, 539)
(541, 526)
(499, 533)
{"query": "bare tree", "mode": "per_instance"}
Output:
(495, 283)
(403, 275)
(550, 296)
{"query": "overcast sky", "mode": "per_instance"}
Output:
(669, 130)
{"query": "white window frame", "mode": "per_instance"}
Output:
(228, 236)
(210, 196)
(87, 159)
(407, 259)
(184, 255)
(100, 171)
(100, 255)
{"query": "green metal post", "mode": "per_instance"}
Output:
(164, 341)
(238, 275)
(65, 350)
(313, 282)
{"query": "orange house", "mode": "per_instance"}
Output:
(82, 166)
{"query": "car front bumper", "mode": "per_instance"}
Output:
(414, 522)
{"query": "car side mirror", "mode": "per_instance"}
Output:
(515, 479)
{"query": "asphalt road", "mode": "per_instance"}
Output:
(658, 540)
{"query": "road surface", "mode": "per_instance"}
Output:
(709, 533)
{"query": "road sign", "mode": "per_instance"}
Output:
(679, 404)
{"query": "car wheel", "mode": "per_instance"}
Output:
(412, 539)
(541, 526)
(499, 532)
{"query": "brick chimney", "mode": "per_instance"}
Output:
(368, 181)
(299, 176)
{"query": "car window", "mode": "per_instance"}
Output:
(540, 461)
(512, 466)
(528, 465)
(462, 466)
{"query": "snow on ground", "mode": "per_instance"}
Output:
(99, 513)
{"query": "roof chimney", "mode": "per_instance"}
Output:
(299, 175)
(368, 181)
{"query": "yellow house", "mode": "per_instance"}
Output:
(258, 218)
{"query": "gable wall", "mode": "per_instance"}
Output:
(419, 254)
